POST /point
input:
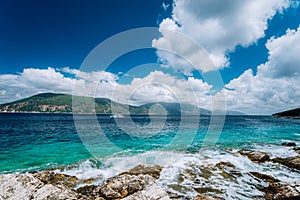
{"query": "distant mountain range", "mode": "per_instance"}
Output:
(62, 103)
(295, 113)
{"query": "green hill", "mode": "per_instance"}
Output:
(295, 113)
(63, 103)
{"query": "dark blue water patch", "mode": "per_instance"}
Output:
(121, 133)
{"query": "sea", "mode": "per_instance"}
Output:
(188, 147)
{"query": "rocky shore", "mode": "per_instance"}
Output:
(141, 182)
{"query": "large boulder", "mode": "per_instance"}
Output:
(137, 183)
(292, 162)
(264, 177)
(281, 190)
(153, 192)
(27, 186)
(124, 185)
(288, 144)
(255, 156)
(57, 179)
(222, 165)
(297, 149)
(153, 171)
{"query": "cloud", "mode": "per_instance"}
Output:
(45, 79)
(284, 59)
(32, 81)
(157, 86)
(276, 86)
(219, 26)
(161, 87)
(91, 76)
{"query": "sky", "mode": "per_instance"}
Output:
(252, 46)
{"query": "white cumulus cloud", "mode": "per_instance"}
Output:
(284, 59)
(219, 26)
(32, 81)
(276, 86)
(157, 86)
(162, 87)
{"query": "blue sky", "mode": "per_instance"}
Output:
(61, 33)
(50, 39)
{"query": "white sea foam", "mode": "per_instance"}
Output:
(275, 150)
(187, 174)
(87, 169)
(235, 183)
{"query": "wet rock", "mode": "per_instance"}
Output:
(125, 185)
(205, 172)
(56, 179)
(264, 177)
(280, 190)
(245, 152)
(117, 187)
(259, 156)
(27, 186)
(224, 164)
(136, 181)
(153, 192)
(229, 150)
(255, 156)
(292, 162)
(153, 171)
(88, 181)
(203, 190)
(191, 174)
(205, 197)
(288, 144)
(180, 178)
(174, 196)
(180, 188)
(88, 191)
(227, 175)
(297, 149)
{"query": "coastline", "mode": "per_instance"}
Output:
(128, 115)
(145, 181)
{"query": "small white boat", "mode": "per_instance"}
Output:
(118, 115)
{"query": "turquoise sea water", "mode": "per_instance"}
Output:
(40, 141)
(100, 147)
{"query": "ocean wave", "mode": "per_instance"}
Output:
(187, 174)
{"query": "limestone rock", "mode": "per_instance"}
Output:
(264, 177)
(245, 152)
(224, 164)
(27, 186)
(205, 197)
(297, 149)
(281, 190)
(292, 162)
(56, 179)
(288, 144)
(136, 182)
(255, 156)
(153, 192)
(124, 185)
(153, 171)
(117, 187)
(88, 191)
